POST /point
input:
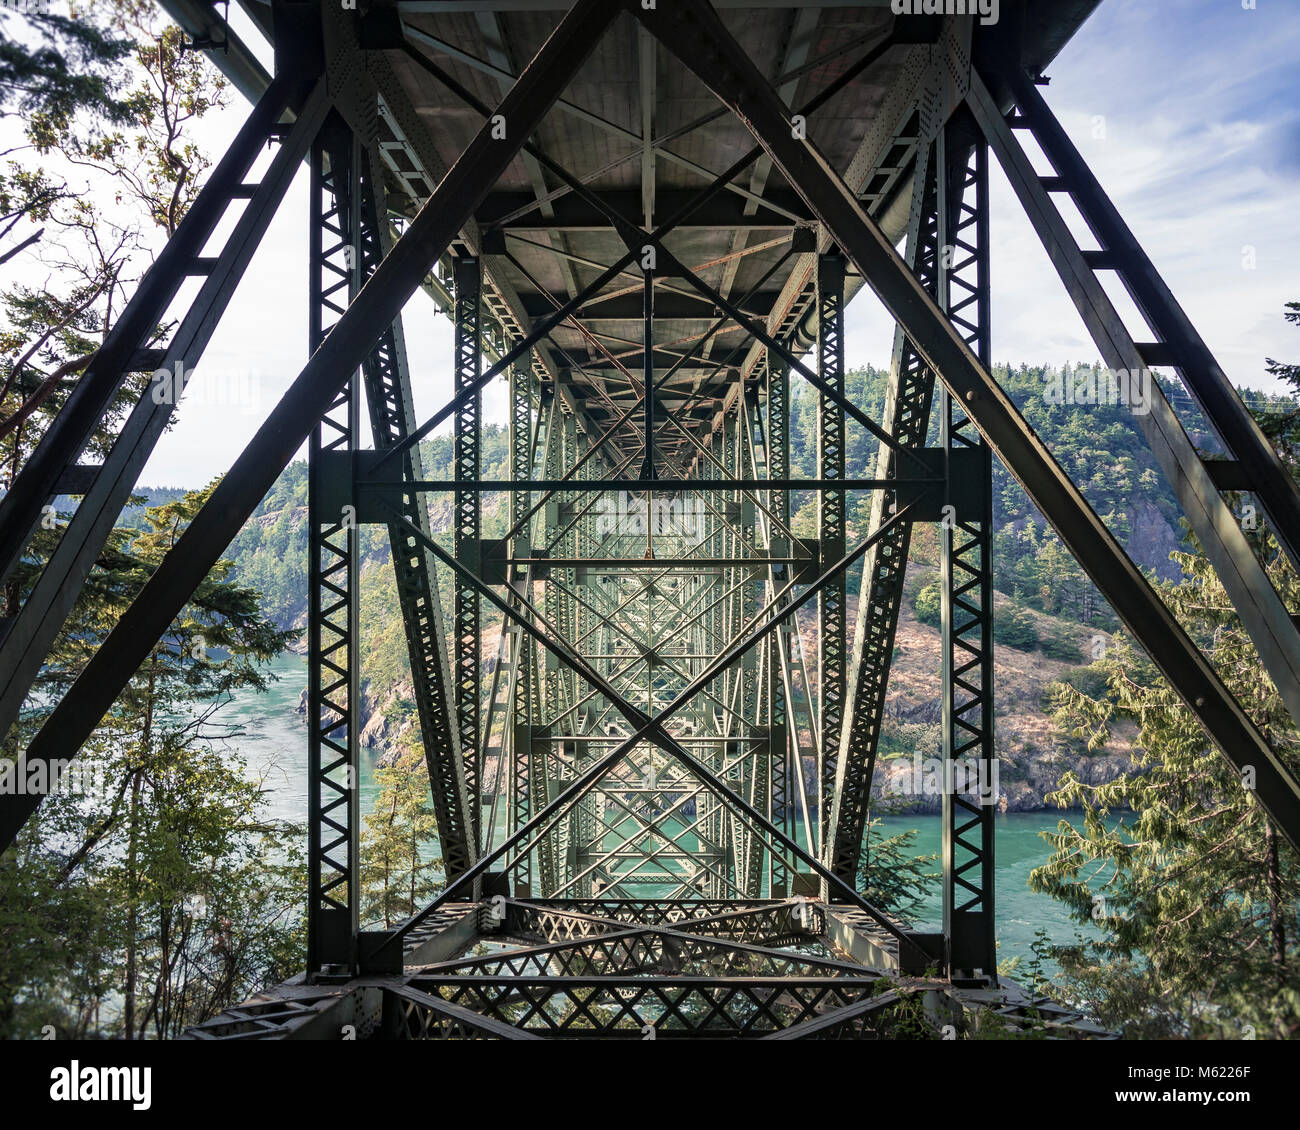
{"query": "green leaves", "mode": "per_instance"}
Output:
(399, 873)
(1173, 862)
(58, 69)
(176, 894)
(892, 876)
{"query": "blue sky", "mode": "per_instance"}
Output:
(1187, 110)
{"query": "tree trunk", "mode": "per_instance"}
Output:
(1276, 919)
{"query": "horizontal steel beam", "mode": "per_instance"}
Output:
(669, 306)
(661, 487)
(571, 213)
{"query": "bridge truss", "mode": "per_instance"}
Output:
(650, 728)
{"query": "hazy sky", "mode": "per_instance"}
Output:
(1186, 109)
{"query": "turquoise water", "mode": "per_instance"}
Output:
(275, 745)
(275, 740)
(1018, 849)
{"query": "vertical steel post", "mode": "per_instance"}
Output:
(778, 721)
(521, 470)
(967, 576)
(884, 569)
(648, 372)
(387, 381)
(548, 671)
(832, 633)
(333, 668)
(468, 277)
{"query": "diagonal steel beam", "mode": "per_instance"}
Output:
(695, 34)
(1270, 479)
(651, 728)
(29, 638)
(378, 303)
(1224, 542)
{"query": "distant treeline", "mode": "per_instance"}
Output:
(1098, 444)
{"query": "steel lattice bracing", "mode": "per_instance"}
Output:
(831, 628)
(907, 418)
(966, 556)
(649, 735)
(468, 524)
(392, 419)
(333, 687)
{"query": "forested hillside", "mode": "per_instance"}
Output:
(1099, 445)
(1050, 622)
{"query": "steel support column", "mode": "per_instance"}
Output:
(966, 566)
(468, 528)
(521, 749)
(832, 618)
(907, 418)
(392, 418)
(333, 679)
(784, 786)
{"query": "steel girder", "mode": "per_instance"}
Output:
(966, 566)
(387, 381)
(333, 661)
(292, 420)
(693, 32)
(52, 469)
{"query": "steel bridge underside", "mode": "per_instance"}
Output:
(644, 969)
(649, 702)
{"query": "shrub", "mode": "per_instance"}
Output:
(1090, 680)
(1060, 646)
(1014, 627)
(928, 605)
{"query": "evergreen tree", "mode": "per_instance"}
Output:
(1176, 861)
(398, 875)
(161, 891)
(1283, 427)
(891, 876)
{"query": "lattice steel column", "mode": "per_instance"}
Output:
(392, 418)
(754, 707)
(778, 719)
(907, 419)
(832, 628)
(521, 470)
(468, 278)
(547, 672)
(566, 680)
(585, 822)
(967, 576)
(333, 669)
